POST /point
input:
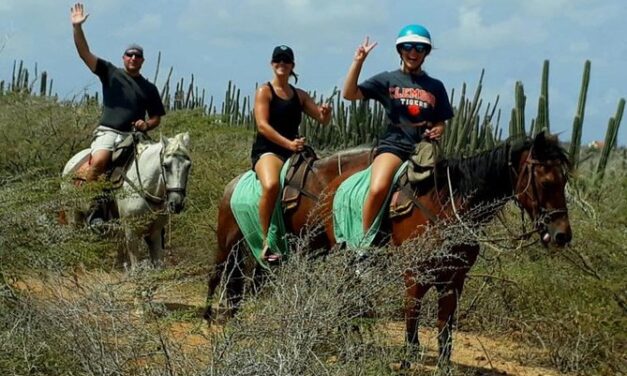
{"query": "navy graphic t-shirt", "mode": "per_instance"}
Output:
(409, 100)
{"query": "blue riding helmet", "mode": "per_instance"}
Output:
(414, 34)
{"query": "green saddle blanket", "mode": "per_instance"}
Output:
(348, 205)
(245, 208)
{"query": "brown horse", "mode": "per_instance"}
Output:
(532, 172)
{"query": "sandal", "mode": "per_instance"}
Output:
(269, 256)
(272, 258)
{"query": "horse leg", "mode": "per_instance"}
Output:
(414, 292)
(235, 279)
(229, 237)
(154, 241)
(131, 247)
(449, 291)
(214, 279)
(447, 305)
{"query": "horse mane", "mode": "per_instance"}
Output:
(487, 175)
(176, 145)
(482, 176)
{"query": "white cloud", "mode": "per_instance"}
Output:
(473, 32)
(146, 24)
(579, 47)
(305, 20)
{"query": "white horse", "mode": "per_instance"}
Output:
(154, 186)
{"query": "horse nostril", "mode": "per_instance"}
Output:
(562, 238)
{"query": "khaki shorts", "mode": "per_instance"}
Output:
(106, 138)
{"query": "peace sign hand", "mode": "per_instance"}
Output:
(364, 49)
(77, 14)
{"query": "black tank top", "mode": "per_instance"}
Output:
(285, 117)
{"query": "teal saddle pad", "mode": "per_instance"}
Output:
(348, 206)
(245, 208)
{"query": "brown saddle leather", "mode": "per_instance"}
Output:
(294, 186)
(406, 196)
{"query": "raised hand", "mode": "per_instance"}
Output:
(364, 49)
(325, 113)
(77, 14)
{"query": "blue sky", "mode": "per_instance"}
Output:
(219, 41)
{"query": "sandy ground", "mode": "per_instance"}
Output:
(473, 353)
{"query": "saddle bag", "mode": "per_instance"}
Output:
(422, 163)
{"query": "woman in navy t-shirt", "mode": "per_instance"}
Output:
(416, 105)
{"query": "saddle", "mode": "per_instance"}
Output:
(122, 157)
(417, 181)
(300, 164)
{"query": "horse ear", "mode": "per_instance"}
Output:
(539, 144)
(539, 141)
(185, 139)
(542, 143)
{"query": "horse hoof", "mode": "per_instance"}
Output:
(400, 366)
(97, 226)
(208, 316)
(444, 369)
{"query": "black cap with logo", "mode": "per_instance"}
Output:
(283, 53)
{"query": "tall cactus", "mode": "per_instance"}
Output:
(542, 119)
(517, 121)
(610, 140)
(575, 142)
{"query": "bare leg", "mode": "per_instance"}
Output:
(384, 167)
(99, 161)
(268, 169)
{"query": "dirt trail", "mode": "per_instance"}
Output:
(473, 353)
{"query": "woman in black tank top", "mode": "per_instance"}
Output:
(278, 111)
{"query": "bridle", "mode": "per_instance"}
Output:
(181, 190)
(156, 200)
(541, 216)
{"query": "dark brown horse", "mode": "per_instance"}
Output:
(532, 172)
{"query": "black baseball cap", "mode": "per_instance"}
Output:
(283, 52)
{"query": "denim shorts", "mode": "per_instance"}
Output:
(395, 143)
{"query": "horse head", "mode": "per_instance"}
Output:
(541, 169)
(175, 165)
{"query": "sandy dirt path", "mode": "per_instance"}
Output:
(473, 353)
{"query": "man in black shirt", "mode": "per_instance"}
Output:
(127, 98)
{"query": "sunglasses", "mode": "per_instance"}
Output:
(419, 47)
(283, 60)
(134, 54)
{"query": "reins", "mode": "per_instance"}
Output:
(542, 215)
